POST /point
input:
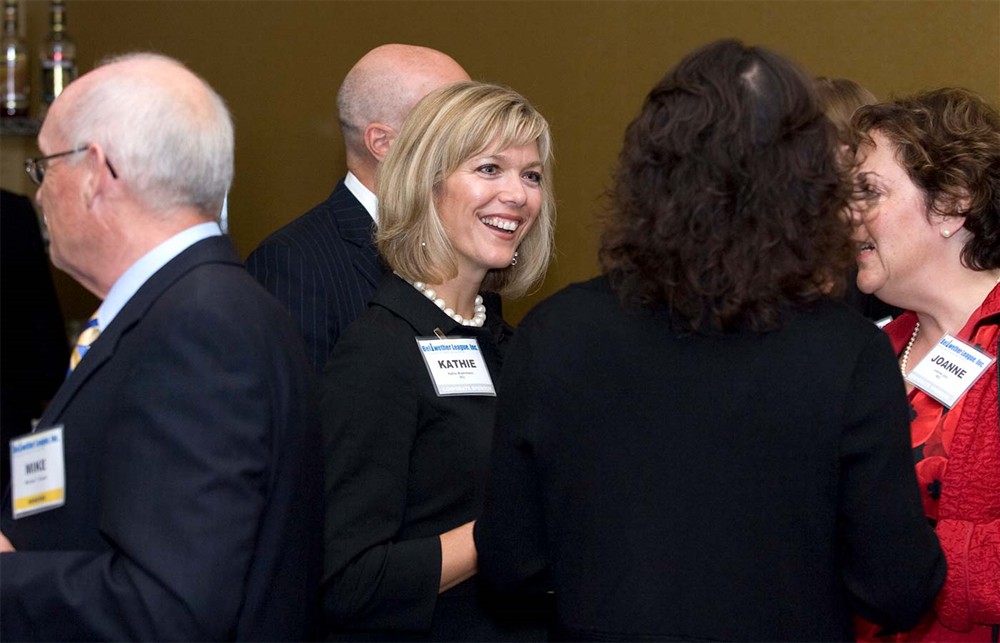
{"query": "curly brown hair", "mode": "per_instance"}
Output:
(726, 205)
(948, 142)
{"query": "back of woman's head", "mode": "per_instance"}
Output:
(727, 198)
(839, 98)
(446, 128)
(948, 142)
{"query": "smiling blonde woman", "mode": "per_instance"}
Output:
(465, 207)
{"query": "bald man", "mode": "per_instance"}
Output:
(171, 489)
(323, 266)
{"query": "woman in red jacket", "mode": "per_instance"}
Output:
(929, 242)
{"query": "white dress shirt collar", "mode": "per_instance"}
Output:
(362, 194)
(147, 265)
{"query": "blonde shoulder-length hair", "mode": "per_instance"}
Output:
(447, 127)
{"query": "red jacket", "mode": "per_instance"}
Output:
(968, 507)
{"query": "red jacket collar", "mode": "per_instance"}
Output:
(900, 329)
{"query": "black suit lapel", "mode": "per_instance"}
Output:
(356, 227)
(211, 250)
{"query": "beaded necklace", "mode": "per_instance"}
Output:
(906, 351)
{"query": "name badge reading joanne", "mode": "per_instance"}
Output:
(949, 370)
(456, 366)
(38, 480)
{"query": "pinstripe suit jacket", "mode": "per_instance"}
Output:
(323, 267)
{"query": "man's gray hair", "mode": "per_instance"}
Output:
(173, 148)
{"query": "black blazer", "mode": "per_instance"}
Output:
(323, 267)
(737, 486)
(402, 467)
(192, 476)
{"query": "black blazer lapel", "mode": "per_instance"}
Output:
(211, 250)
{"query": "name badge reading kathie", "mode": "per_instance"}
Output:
(949, 370)
(456, 366)
(38, 480)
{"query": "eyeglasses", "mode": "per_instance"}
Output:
(36, 167)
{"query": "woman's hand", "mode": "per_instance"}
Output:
(459, 561)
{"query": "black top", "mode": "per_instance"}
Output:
(402, 467)
(735, 486)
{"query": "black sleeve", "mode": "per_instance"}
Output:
(370, 416)
(892, 564)
(510, 535)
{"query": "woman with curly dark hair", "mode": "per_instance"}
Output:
(702, 443)
(840, 98)
(929, 242)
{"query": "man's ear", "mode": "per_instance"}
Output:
(378, 138)
(93, 183)
(99, 176)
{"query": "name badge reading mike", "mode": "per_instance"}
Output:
(949, 370)
(38, 480)
(456, 366)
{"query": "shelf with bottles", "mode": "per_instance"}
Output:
(23, 126)
(57, 56)
(22, 83)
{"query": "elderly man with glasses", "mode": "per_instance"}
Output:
(171, 488)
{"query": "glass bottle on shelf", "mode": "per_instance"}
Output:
(58, 56)
(15, 66)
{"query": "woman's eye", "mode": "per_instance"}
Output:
(865, 190)
(489, 168)
(534, 177)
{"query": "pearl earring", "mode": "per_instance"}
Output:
(513, 260)
(946, 233)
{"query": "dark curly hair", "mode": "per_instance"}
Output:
(948, 142)
(728, 198)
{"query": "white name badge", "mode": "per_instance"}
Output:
(37, 476)
(949, 370)
(456, 366)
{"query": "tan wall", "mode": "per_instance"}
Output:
(586, 65)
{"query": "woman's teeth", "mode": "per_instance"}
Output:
(503, 224)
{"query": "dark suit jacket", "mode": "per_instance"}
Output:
(402, 467)
(34, 352)
(323, 267)
(191, 474)
(737, 486)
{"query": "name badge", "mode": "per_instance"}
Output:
(949, 370)
(37, 476)
(456, 366)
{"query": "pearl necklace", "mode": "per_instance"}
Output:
(478, 319)
(906, 351)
